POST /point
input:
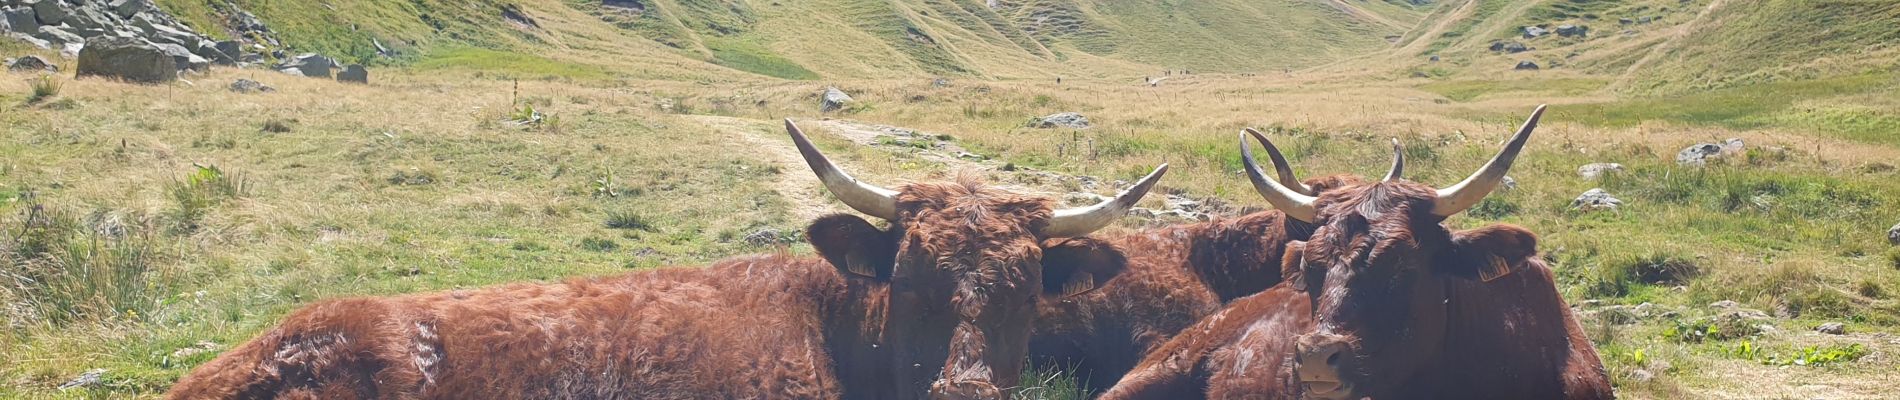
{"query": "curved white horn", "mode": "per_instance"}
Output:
(1073, 222)
(1398, 162)
(864, 197)
(1282, 168)
(1463, 195)
(1294, 204)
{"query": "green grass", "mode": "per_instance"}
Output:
(1755, 106)
(1467, 90)
(749, 56)
(508, 64)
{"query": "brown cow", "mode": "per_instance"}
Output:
(1175, 276)
(939, 304)
(1384, 302)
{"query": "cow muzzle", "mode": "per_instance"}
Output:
(964, 390)
(1318, 359)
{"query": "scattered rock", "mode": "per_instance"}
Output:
(767, 237)
(1532, 32)
(1641, 375)
(1572, 30)
(1509, 46)
(1061, 120)
(128, 59)
(1832, 328)
(247, 86)
(1893, 235)
(1595, 199)
(203, 346)
(355, 73)
(1526, 65)
(308, 64)
(49, 11)
(1434, 58)
(1725, 305)
(1625, 21)
(835, 100)
(21, 20)
(30, 64)
(88, 379)
(1701, 153)
(183, 57)
(1508, 183)
(1594, 170)
(939, 83)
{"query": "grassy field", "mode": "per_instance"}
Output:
(147, 227)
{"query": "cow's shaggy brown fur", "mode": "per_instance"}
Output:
(1423, 312)
(938, 304)
(1176, 275)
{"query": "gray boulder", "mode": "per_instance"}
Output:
(30, 64)
(1595, 199)
(21, 19)
(355, 73)
(834, 100)
(183, 57)
(308, 64)
(1572, 30)
(1595, 170)
(1701, 153)
(1532, 32)
(1071, 120)
(127, 59)
(230, 48)
(1509, 47)
(1832, 328)
(1526, 65)
(59, 36)
(127, 8)
(48, 11)
(1893, 235)
(88, 19)
(247, 86)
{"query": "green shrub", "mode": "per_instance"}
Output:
(1803, 356)
(44, 88)
(203, 189)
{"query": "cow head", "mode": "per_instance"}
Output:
(965, 265)
(1376, 269)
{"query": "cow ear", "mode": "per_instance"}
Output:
(1488, 253)
(854, 246)
(1075, 266)
(1293, 265)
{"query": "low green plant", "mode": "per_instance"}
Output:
(627, 220)
(44, 88)
(1812, 355)
(206, 187)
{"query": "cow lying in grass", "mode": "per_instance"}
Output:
(1385, 302)
(939, 304)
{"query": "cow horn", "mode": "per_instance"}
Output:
(1398, 162)
(1280, 167)
(1075, 222)
(1463, 195)
(864, 197)
(1294, 204)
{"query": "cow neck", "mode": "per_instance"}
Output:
(854, 334)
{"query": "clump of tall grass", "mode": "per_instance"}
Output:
(44, 88)
(204, 188)
(56, 268)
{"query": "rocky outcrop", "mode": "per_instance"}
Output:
(66, 26)
(1572, 30)
(30, 64)
(1595, 199)
(834, 100)
(127, 59)
(308, 64)
(355, 73)
(1701, 153)
(1070, 120)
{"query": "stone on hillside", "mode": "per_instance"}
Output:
(834, 100)
(1594, 170)
(1509, 46)
(88, 19)
(1532, 32)
(1832, 328)
(1061, 120)
(1526, 65)
(1725, 304)
(183, 58)
(1507, 184)
(88, 379)
(49, 11)
(36, 42)
(230, 48)
(59, 36)
(1572, 30)
(1701, 153)
(1625, 21)
(355, 73)
(127, 8)
(308, 64)
(1595, 199)
(30, 64)
(1893, 235)
(21, 20)
(128, 59)
(247, 86)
